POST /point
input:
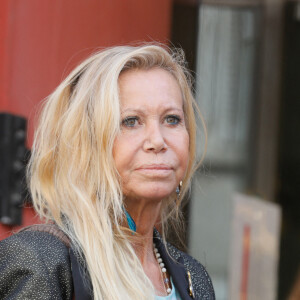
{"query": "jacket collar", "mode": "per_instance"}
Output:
(81, 285)
(175, 268)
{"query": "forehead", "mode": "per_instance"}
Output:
(154, 87)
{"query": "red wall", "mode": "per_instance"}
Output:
(41, 41)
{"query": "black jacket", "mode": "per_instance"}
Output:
(39, 266)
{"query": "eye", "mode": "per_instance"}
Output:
(130, 121)
(173, 119)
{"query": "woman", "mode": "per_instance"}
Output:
(112, 158)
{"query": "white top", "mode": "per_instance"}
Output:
(173, 296)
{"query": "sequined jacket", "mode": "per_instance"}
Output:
(40, 266)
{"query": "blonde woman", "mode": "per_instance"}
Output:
(112, 159)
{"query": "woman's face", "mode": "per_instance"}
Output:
(152, 150)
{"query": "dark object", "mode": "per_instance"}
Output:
(289, 149)
(185, 26)
(13, 156)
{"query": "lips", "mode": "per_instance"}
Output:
(155, 167)
(155, 171)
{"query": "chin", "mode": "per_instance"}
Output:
(155, 193)
(155, 190)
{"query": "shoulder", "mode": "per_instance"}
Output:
(34, 241)
(33, 246)
(201, 280)
(35, 264)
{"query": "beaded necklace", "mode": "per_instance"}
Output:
(165, 278)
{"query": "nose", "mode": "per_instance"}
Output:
(154, 138)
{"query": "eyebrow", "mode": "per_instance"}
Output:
(141, 110)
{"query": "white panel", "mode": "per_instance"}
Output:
(254, 248)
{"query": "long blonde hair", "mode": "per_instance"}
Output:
(72, 177)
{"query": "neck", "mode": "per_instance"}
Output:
(145, 215)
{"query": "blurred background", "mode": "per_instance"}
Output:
(243, 219)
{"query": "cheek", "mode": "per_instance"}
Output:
(118, 153)
(181, 147)
(185, 153)
(123, 153)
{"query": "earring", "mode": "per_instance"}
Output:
(178, 189)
